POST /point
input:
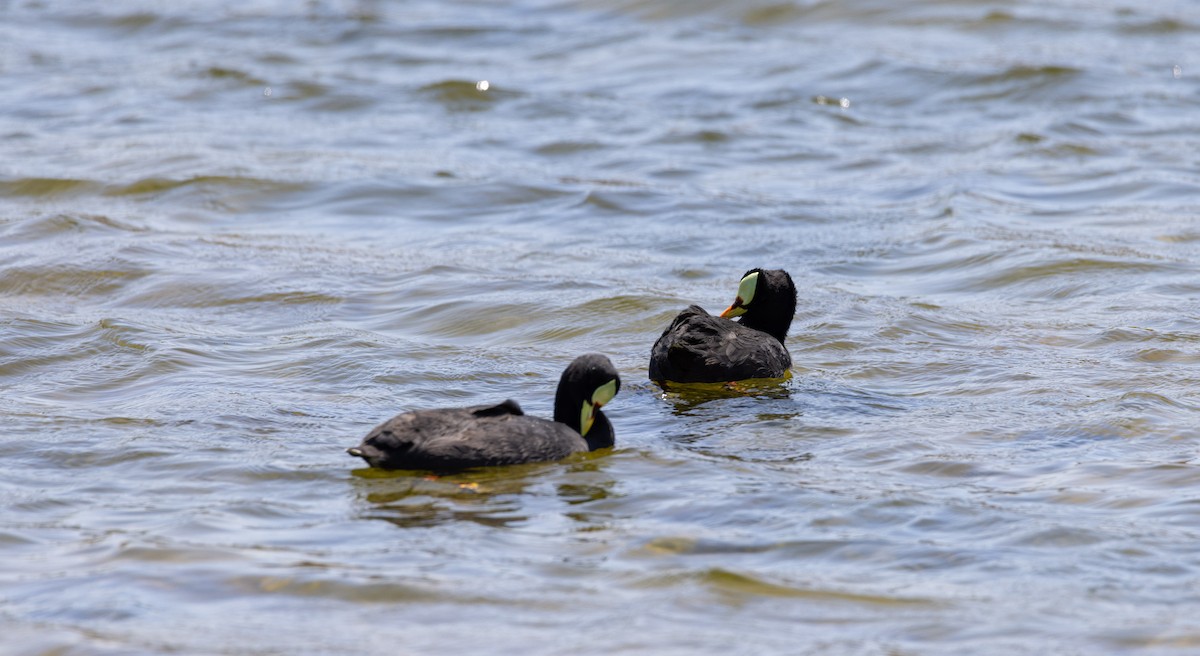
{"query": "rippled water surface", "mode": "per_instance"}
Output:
(235, 236)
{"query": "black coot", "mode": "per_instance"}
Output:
(457, 438)
(700, 348)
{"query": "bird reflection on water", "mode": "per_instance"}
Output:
(489, 496)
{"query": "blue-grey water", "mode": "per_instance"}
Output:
(235, 236)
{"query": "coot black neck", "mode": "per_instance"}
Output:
(775, 326)
(567, 410)
(773, 306)
(601, 435)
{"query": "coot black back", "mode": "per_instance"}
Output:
(700, 348)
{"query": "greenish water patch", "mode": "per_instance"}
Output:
(46, 187)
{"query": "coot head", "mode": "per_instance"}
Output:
(586, 385)
(766, 301)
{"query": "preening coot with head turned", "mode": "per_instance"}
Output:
(700, 348)
(501, 434)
